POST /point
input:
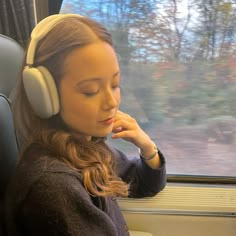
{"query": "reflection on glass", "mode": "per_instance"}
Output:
(178, 62)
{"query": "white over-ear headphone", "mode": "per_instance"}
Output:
(38, 82)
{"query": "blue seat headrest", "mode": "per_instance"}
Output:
(11, 59)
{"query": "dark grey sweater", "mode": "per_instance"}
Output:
(46, 197)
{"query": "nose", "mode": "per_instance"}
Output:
(111, 99)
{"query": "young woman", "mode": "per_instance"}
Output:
(65, 104)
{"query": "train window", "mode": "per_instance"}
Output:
(178, 61)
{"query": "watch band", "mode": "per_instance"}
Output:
(146, 158)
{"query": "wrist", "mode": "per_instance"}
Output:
(149, 153)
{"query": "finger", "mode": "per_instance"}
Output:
(124, 134)
(117, 129)
(123, 125)
(124, 118)
(121, 114)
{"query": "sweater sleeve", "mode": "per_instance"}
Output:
(144, 181)
(57, 205)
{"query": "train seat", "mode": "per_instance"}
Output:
(11, 58)
(8, 151)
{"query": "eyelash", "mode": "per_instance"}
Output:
(90, 94)
(116, 86)
(94, 93)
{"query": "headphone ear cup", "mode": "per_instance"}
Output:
(41, 91)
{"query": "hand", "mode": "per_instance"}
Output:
(127, 128)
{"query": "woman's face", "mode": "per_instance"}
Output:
(89, 90)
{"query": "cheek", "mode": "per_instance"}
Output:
(69, 105)
(77, 111)
(77, 116)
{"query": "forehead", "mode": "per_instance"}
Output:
(92, 60)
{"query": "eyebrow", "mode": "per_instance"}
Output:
(94, 79)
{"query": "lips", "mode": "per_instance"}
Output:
(108, 120)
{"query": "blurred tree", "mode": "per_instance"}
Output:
(215, 29)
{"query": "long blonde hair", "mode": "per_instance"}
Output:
(93, 160)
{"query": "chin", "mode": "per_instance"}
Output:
(102, 134)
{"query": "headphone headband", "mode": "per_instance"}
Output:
(40, 30)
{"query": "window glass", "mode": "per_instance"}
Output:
(178, 63)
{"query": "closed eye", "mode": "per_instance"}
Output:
(90, 94)
(116, 86)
